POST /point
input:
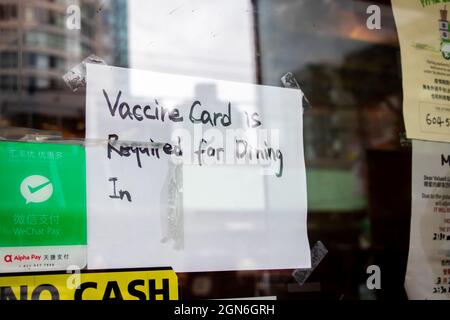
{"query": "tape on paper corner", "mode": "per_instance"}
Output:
(75, 78)
(318, 252)
(404, 141)
(289, 81)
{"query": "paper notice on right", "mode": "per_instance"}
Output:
(424, 34)
(428, 270)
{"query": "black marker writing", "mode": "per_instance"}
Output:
(114, 147)
(122, 193)
(139, 113)
(246, 151)
(217, 153)
(197, 113)
(206, 118)
(254, 119)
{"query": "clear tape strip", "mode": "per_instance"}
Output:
(404, 141)
(75, 78)
(172, 220)
(289, 81)
(81, 141)
(318, 252)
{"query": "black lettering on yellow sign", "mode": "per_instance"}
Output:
(7, 293)
(111, 285)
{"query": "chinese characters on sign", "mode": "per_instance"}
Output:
(42, 206)
(428, 271)
(424, 35)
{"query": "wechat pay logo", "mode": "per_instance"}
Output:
(36, 189)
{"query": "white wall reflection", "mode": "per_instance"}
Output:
(199, 38)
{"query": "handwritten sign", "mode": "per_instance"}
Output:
(194, 173)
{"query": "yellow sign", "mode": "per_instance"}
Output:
(148, 284)
(424, 34)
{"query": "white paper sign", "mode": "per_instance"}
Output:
(428, 271)
(193, 173)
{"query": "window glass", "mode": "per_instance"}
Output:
(350, 75)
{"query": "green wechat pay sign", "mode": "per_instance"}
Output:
(42, 194)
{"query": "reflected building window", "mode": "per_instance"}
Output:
(8, 11)
(37, 49)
